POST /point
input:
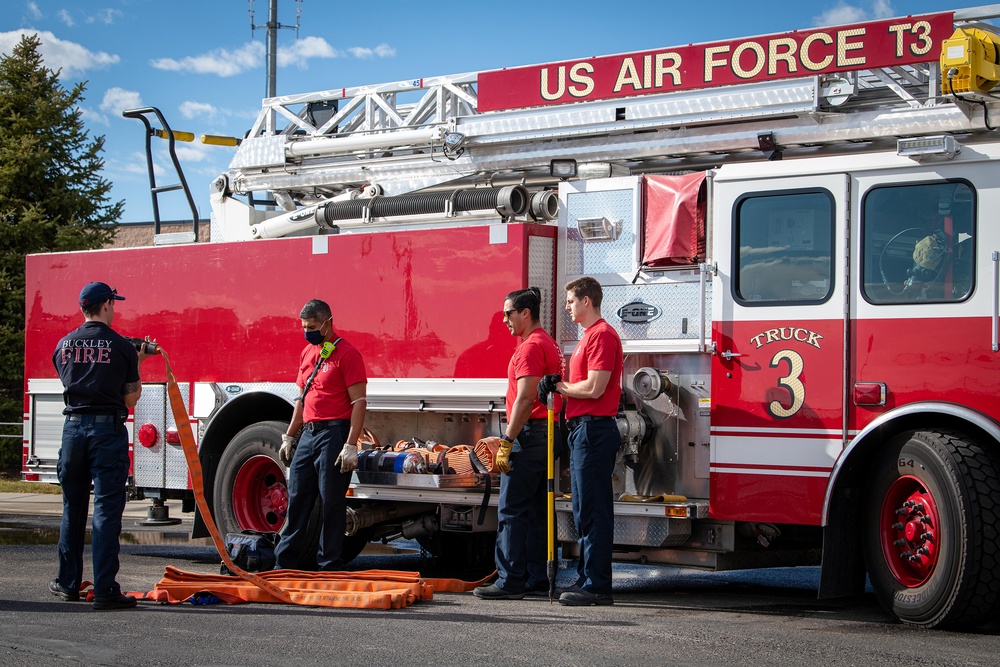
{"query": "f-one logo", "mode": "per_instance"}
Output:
(303, 214)
(638, 312)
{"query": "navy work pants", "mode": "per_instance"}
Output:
(521, 511)
(593, 449)
(98, 452)
(314, 473)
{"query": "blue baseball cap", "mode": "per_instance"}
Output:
(98, 293)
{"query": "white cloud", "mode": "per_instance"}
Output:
(882, 9)
(221, 62)
(303, 49)
(66, 18)
(192, 152)
(93, 117)
(71, 57)
(136, 164)
(117, 100)
(34, 12)
(226, 62)
(364, 53)
(105, 16)
(190, 110)
(845, 13)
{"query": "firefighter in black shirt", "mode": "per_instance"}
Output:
(99, 370)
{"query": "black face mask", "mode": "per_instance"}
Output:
(316, 337)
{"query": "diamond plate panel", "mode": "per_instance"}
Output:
(541, 270)
(260, 152)
(597, 257)
(175, 465)
(639, 531)
(147, 462)
(678, 301)
(163, 465)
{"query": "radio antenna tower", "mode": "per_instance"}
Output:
(272, 27)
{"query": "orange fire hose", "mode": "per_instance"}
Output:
(370, 589)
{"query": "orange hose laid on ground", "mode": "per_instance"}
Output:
(370, 589)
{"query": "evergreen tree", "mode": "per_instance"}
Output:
(52, 197)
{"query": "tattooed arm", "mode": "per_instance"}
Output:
(132, 391)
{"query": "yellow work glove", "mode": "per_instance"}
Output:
(503, 455)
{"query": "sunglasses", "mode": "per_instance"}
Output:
(508, 313)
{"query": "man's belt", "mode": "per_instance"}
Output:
(539, 423)
(576, 421)
(98, 419)
(320, 425)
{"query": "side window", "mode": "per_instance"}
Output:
(918, 243)
(784, 248)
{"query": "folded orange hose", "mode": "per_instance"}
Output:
(486, 452)
(370, 589)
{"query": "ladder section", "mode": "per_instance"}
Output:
(411, 135)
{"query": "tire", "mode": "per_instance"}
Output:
(472, 550)
(250, 491)
(932, 530)
(355, 544)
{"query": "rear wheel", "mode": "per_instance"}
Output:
(251, 492)
(932, 530)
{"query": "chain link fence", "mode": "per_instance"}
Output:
(11, 435)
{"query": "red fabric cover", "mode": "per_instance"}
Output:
(673, 219)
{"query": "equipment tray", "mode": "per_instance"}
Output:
(426, 481)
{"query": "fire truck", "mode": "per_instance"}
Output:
(793, 236)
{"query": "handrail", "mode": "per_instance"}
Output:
(154, 190)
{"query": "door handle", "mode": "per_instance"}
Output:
(729, 354)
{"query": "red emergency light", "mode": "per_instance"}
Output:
(869, 393)
(147, 435)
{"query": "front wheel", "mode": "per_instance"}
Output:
(932, 530)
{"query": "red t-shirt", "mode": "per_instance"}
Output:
(536, 355)
(328, 398)
(600, 349)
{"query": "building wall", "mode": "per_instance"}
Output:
(139, 234)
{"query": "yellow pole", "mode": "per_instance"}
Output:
(551, 565)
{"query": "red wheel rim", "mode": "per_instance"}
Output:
(260, 497)
(910, 531)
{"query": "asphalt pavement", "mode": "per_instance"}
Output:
(661, 615)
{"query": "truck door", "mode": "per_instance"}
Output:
(778, 328)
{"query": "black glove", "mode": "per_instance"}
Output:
(546, 386)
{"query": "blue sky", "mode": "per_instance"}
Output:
(200, 65)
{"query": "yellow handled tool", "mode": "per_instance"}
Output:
(551, 565)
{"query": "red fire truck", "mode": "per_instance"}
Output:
(793, 236)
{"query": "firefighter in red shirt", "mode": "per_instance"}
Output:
(330, 413)
(592, 397)
(523, 456)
